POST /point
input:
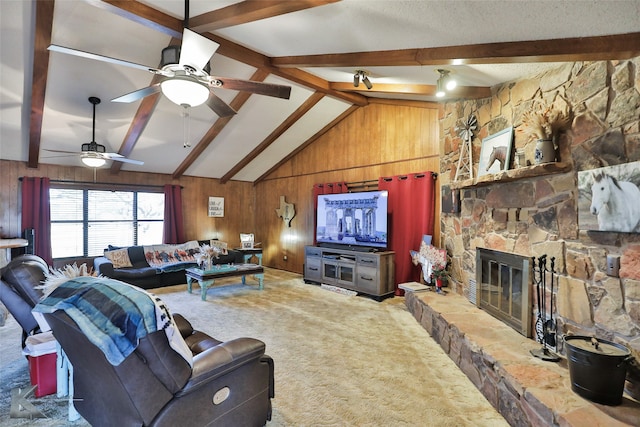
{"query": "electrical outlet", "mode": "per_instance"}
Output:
(613, 265)
(284, 257)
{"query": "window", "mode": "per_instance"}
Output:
(85, 221)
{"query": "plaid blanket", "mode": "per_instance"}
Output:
(113, 315)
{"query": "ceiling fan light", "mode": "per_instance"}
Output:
(93, 161)
(185, 91)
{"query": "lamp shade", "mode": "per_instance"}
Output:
(185, 91)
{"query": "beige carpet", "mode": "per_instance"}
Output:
(339, 360)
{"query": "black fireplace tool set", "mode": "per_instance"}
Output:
(546, 329)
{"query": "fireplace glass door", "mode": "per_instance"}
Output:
(504, 289)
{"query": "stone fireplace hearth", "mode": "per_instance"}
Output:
(526, 390)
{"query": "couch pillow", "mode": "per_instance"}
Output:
(119, 258)
(136, 255)
(221, 246)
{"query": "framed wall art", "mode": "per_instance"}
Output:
(495, 153)
(609, 198)
(216, 207)
(450, 199)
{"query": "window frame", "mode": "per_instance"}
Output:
(86, 188)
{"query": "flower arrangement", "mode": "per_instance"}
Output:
(544, 122)
(206, 254)
(440, 271)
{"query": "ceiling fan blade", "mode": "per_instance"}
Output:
(221, 108)
(89, 55)
(61, 151)
(124, 160)
(260, 88)
(196, 50)
(137, 95)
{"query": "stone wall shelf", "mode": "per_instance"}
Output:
(514, 175)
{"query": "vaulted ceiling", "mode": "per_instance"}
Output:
(314, 46)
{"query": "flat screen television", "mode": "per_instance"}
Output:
(357, 220)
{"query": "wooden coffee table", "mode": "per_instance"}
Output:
(206, 278)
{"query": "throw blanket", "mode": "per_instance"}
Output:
(113, 315)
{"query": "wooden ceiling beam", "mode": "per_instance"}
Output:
(44, 25)
(467, 92)
(290, 121)
(142, 14)
(249, 11)
(619, 46)
(145, 15)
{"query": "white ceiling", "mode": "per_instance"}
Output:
(341, 27)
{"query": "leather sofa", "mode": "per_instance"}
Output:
(143, 275)
(229, 383)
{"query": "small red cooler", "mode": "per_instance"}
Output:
(41, 353)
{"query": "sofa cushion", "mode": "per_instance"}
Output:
(126, 274)
(136, 255)
(119, 258)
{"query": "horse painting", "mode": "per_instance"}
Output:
(499, 154)
(616, 203)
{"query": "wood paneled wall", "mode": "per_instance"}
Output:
(239, 198)
(374, 141)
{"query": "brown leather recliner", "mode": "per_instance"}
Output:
(19, 280)
(230, 384)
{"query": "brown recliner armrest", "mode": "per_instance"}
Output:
(184, 326)
(221, 359)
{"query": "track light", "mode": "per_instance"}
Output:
(445, 82)
(362, 75)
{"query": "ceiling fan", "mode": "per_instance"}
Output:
(184, 74)
(93, 154)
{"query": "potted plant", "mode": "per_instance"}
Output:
(543, 124)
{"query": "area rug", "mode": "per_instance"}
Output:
(339, 360)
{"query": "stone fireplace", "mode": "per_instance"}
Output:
(504, 288)
(533, 210)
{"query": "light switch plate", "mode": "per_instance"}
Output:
(613, 265)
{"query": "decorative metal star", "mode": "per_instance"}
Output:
(465, 131)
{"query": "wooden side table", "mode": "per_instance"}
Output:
(5, 249)
(247, 254)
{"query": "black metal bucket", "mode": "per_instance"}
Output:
(597, 368)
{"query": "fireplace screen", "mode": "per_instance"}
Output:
(504, 288)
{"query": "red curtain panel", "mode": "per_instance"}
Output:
(411, 215)
(173, 220)
(36, 214)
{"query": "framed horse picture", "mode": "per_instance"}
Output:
(609, 198)
(495, 153)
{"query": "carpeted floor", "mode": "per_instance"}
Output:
(339, 360)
